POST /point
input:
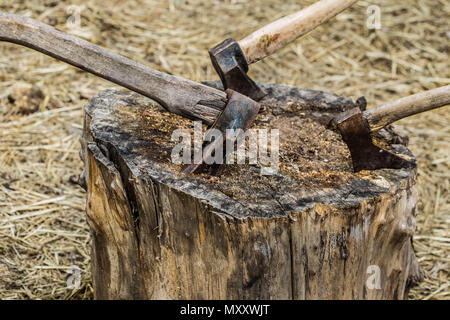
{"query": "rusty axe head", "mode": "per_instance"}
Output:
(355, 132)
(355, 127)
(232, 67)
(239, 113)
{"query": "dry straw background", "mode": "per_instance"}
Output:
(43, 232)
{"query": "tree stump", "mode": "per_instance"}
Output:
(315, 230)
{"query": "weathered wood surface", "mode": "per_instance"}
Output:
(176, 94)
(158, 234)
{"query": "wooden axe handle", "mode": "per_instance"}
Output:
(388, 113)
(178, 95)
(278, 34)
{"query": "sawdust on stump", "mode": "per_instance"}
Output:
(315, 190)
(310, 153)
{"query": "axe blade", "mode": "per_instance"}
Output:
(239, 113)
(365, 154)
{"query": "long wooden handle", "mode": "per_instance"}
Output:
(178, 95)
(388, 113)
(278, 34)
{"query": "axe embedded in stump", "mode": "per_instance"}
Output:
(240, 113)
(178, 95)
(356, 126)
(196, 101)
(232, 58)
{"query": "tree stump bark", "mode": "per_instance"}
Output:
(159, 234)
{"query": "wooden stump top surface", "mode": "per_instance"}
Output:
(136, 131)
